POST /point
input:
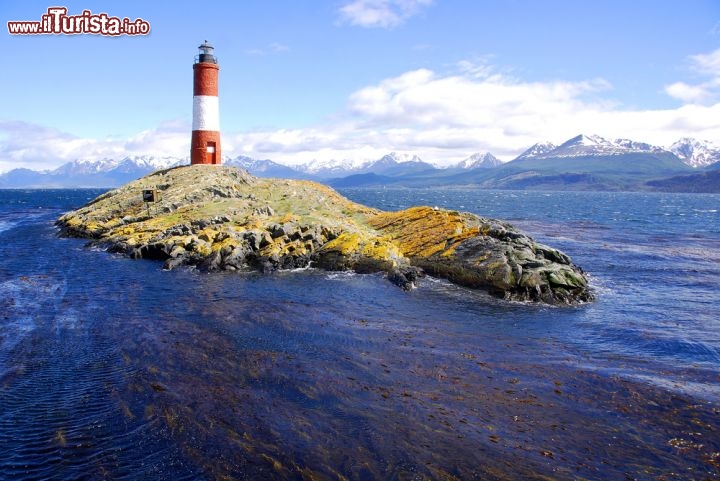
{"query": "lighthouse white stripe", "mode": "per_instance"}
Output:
(206, 113)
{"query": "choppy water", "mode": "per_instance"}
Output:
(114, 369)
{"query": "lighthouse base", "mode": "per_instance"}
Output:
(205, 147)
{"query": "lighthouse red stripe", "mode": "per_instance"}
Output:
(201, 139)
(205, 79)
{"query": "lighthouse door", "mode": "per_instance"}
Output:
(211, 156)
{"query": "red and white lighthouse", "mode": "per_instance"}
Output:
(205, 145)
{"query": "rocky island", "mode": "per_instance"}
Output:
(222, 218)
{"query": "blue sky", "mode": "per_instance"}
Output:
(355, 79)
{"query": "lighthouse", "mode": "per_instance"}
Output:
(205, 144)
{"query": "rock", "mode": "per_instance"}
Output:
(566, 278)
(221, 218)
(292, 231)
(154, 251)
(177, 230)
(255, 239)
(173, 262)
(551, 254)
(264, 211)
(483, 253)
(201, 224)
(329, 233)
(236, 258)
(405, 277)
(276, 230)
(177, 251)
(212, 262)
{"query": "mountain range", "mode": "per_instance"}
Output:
(585, 162)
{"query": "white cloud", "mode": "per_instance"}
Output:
(38, 147)
(446, 117)
(381, 13)
(705, 65)
(688, 93)
(440, 116)
(422, 98)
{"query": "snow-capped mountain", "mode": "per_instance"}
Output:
(125, 164)
(537, 150)
(484, 160)
(85, 166)
(143, 164)
(637, 146)
(589, 155)
(105, 172)
(693, 152)
(394, 164)
(331, 167)
(393, 158)
(696, 153)
(588, 145)
(388, 164)
(263, 168)
(108, 172)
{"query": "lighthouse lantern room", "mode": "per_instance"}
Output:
(205, 142)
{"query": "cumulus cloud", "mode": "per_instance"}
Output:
(707, 67)
(447, 117)
(422, 97)
(38, 147)
(441, 116)
(688, 93)
(169, 138)
(381, 13)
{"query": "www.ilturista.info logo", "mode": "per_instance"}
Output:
(57, 21)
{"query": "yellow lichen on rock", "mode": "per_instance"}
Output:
(382, 249)
(227, 241)
(207, 234)
(346, 243)
(424, 231)
(367, 245)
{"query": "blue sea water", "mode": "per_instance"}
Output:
(653, 260)
(111, 368)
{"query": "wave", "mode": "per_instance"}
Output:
(27, 300)
(341, 275)
(9, 221)
(703, 390)
(4, 225)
